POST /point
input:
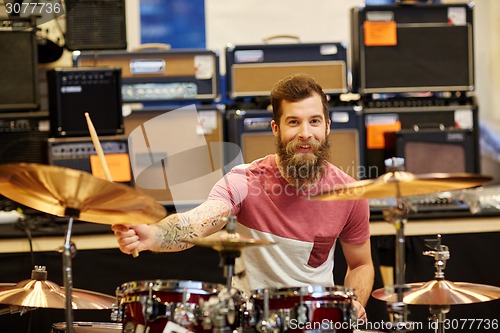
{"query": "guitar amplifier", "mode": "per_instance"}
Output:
(412, 48)
(19, 66)
(252, 70)
(422, 131)
(80, 154)
(162, 76)
(438, 150)
(251, 131)
(76, 91)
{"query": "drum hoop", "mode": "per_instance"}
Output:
(312, 290)
(145, 298)
(179, 286)
(62, 325)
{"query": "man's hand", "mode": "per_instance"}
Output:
(360, 312)
(134, 237)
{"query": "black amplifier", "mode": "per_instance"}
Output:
(23, 146)
(251, 130)
(412, 48)
(76, 91)
(435, 138)
(18, 65)
(162, 75)
(80, 154)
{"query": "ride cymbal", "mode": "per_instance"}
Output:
(441, 292)
(398, 184)
(226, 241)
(67, 192)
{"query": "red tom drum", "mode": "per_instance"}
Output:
(148, 306)
(305, 309)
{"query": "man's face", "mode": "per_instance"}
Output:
(302, 138)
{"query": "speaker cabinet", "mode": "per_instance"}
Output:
(399, 48)
(95, 25)
(251, 130)
(18, 68)
(430, 151)
(23, 146)
(75, 91)
(426, 137)
(252, 70)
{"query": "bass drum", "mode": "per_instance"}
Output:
(88, 327)
(151, 305)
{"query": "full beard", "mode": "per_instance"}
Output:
(303, 169)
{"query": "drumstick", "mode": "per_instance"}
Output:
(98, 148)
(102, 159)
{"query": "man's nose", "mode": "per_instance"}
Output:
(305, 131)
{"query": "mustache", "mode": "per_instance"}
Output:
(293, 145)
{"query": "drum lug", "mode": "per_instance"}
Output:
(272, 324)
(155, 309)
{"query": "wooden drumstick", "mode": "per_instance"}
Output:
(102, 159)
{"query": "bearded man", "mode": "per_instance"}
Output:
(271, 199)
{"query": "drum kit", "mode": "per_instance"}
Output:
(158, 306)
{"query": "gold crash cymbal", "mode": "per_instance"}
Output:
(441, 292)
(67, 192)
(401, 184)
(225, 241)
(47, 294)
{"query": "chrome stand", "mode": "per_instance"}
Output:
(398, 216)
(441, 254)
(228, 257)
(68, 252)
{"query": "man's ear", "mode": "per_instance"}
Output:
(275, 128)
(328, 123)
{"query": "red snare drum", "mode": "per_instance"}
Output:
(88, 327)
(148, 306)
(305, 309)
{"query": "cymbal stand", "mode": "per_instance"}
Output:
(398, 216)
(228, 257)
(68, 251)
(441, 254)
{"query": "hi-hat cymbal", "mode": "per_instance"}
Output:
(67, 192)
(47, 294)
(226, 241)
(398, 184)
(441, 292)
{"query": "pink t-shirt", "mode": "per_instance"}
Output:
(268, 207)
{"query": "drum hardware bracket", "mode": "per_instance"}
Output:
(16, 309)
(270, 323)
(438, 315)
(441, 254)
(220, 310)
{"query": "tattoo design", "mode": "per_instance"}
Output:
(173, 234)
(203, 220)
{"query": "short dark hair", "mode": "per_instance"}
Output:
(295, 88)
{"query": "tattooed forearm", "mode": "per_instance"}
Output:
(175, 230)
(172, 234)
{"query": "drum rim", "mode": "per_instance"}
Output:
(170, 285)
(310, 290)
(62, 324)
